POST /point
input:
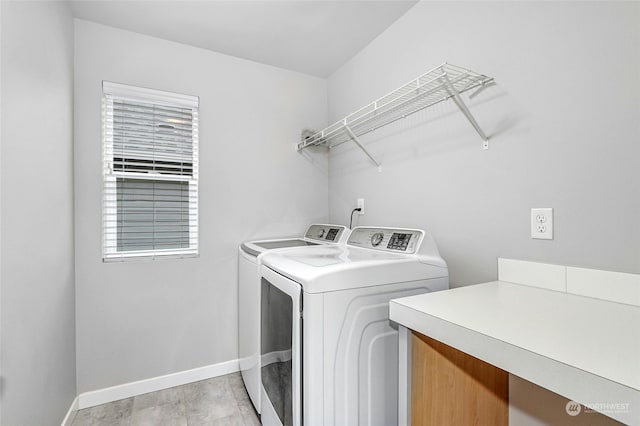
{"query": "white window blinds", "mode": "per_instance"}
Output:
(150, 169)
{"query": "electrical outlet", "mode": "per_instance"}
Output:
(542, 224)
(360, 205)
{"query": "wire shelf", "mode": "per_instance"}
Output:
(437, 85)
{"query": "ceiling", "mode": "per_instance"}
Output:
(312, 37)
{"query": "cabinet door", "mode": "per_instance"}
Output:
(450, 387)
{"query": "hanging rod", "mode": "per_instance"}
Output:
(444, 82)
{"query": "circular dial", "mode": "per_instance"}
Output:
(321, 233)
(376, 238)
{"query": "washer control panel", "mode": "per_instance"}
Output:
(399, 241)
(386, 239)
(329, 233)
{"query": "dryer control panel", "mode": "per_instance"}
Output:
(396, 240)
(328, 233)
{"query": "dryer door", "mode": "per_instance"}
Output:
(280, 343)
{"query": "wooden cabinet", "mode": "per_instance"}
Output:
(450, 387)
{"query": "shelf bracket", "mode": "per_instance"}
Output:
(463, 108)
(357, 141)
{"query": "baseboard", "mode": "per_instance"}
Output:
(71, 414)
(127, 390)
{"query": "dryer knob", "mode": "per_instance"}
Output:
(321, 233)
(376, 238)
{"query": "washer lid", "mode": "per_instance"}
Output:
(256, 248)
(314, 235)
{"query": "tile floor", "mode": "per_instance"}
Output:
(213, 402)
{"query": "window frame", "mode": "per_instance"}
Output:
(117, 91)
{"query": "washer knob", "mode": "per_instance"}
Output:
(321, 233)
(376, 238)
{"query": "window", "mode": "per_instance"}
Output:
(150, 169)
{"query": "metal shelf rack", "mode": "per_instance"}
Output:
(444, 82)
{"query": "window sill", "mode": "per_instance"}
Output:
(137, 257)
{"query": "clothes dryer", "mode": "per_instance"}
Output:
(329, 354)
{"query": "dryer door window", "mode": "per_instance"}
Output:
(280, 322)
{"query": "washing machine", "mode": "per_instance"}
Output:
(249, 255)
(329, 354)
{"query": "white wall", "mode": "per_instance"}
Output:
(144, 319)
(563, 120)
(38, 315)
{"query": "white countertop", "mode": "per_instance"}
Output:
(585, 349)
